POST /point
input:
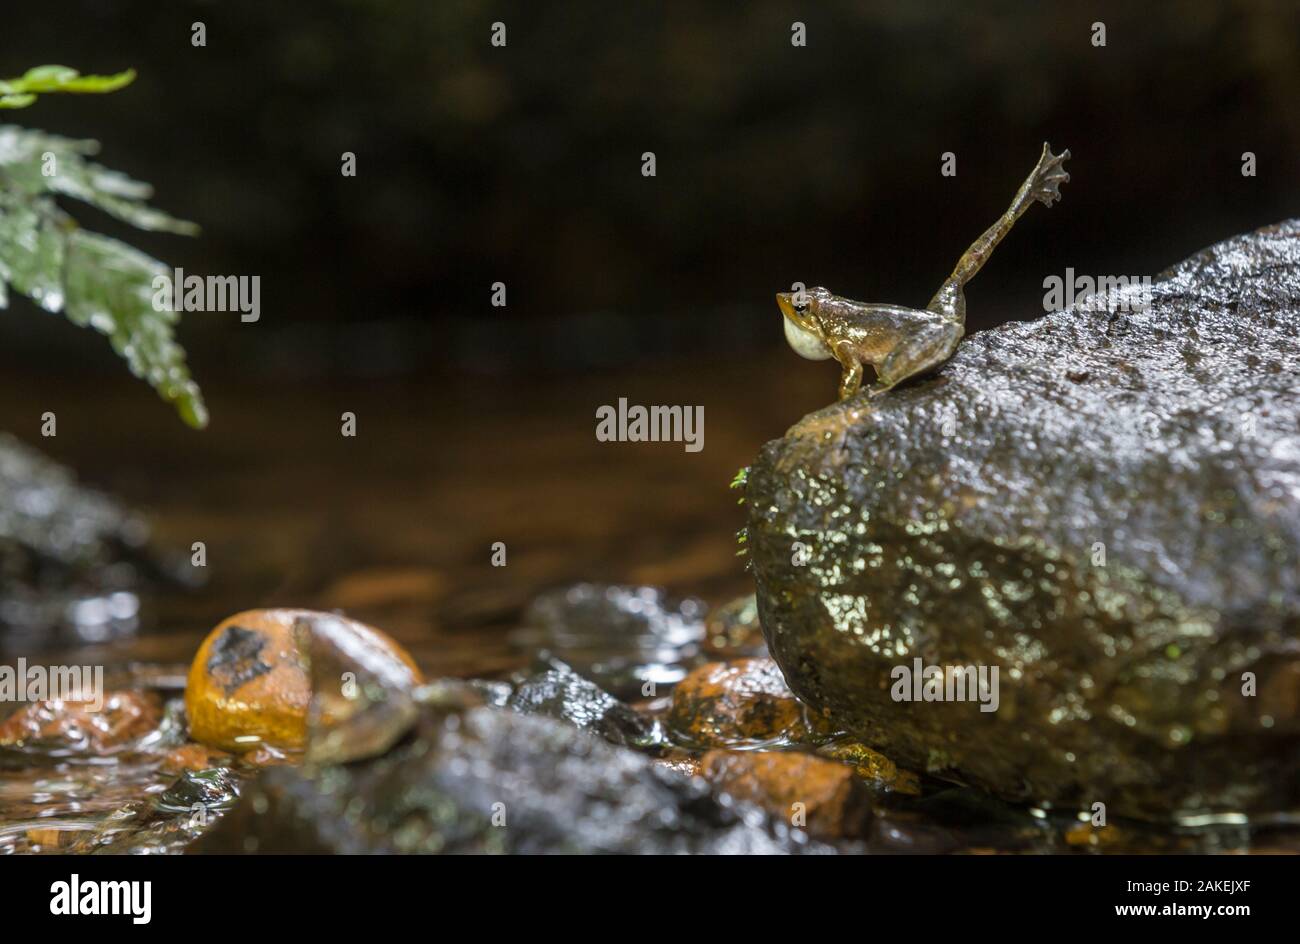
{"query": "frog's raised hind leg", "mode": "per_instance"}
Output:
(1042, 185)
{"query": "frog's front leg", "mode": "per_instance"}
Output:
(851, 376)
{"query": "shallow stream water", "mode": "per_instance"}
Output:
(398, 533)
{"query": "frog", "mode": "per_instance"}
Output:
(900, 342)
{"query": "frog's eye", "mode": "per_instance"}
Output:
(800, 303)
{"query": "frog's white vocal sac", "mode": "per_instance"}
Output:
(902, 342)
(806, 343)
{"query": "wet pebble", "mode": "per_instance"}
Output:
(216, 788)
(740, 702)
(820, 796)
(559, 692)
(65, 726)
(249, 684)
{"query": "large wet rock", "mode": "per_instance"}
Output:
(1105, 505)
(484, 779)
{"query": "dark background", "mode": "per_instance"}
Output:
(522, 165)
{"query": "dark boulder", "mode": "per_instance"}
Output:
(1102, 503)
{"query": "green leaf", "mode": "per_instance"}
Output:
(38, 163)
(21, 92)
(32, 250)
(49, 75)
(109, 288)
(739, 481)
(95, 281)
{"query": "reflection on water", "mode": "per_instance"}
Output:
(619, 637)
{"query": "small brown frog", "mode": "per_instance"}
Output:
(901, 342)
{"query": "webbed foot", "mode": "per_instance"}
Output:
(1048, 176)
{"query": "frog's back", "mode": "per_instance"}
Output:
(874, 330)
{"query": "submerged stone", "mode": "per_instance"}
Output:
(166, 823)
(200, 792)
(1104, 504)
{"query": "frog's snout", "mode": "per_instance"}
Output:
(801, 332)
(801, 317)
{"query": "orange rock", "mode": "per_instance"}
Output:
(81, 726)
(743, 701)
(807, 791)
(193, 756)
(248, 685)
